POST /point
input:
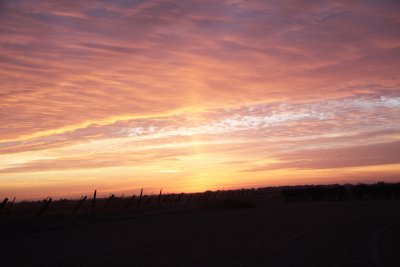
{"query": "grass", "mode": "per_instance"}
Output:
(221, 199)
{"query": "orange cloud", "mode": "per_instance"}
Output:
(251, 82)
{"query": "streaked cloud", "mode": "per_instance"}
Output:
(198, 90)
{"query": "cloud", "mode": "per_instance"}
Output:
(112, 59)
(277, 131)
(261, 76)
(352, 156)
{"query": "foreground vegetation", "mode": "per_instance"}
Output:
(94, 207)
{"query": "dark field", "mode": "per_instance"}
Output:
(245, 228)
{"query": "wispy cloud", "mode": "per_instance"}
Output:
(113, 80)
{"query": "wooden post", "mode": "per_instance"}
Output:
(171, 198)
(140, 198)
(129, 201)
(120, 199)
(108, 201)
(149, 200)
(45, 205)
(93, 202)
(159, 196)
(166, 198)
(9, 209)
(80, 202)
(3, 203)
(179, 198)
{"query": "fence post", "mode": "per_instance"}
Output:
(149, 199)
(166, 198)
(120, 199)
(3, 203)
(108, 201)
(159, 196)
(45, 205)
(140, 198)
(80, 202)
(179, 198)
(129, 201)
(9, 209)
(93, 202)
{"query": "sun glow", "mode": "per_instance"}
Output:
(193, 96)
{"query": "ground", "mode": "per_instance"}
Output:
(321, 233)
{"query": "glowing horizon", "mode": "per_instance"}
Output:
(196, 95)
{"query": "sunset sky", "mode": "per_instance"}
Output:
(196, 95)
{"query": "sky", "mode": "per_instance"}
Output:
(191, 95)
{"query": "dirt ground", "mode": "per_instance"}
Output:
(326, 233)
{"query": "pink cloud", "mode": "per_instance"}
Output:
(263, 77)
